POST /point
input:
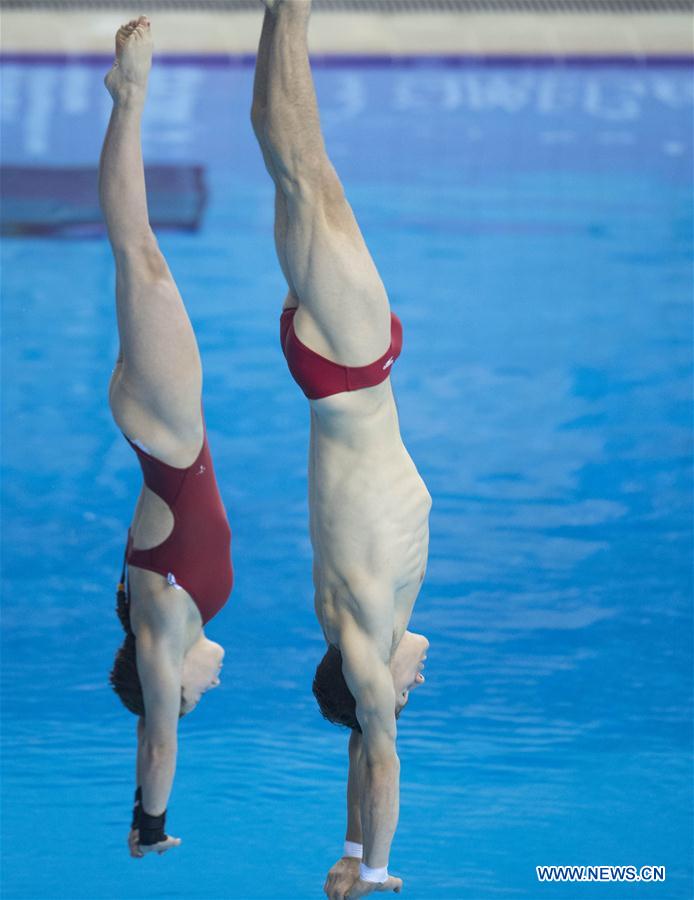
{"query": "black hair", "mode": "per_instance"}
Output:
(335, 700)
(124, 677)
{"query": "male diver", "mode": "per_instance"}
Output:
(369, 508)
(179, 572)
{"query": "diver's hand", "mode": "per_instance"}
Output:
(361, 888)
(161, 847)
(341, 877)
(133, 841)
(137, 851)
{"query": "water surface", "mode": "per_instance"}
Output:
(533, 226)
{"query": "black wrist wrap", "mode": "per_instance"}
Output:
(137, 809)
(151, 828)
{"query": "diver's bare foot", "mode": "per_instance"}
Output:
(128, 75)
(301, 8)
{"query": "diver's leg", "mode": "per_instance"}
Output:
(156, 388)
(343, 307)
(259, 118)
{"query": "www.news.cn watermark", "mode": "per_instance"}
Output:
(600, 873)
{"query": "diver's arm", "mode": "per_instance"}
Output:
(370, 681)
(159, 661)
(380, 788)
(354, 832)
(138, 761)
(345, 872)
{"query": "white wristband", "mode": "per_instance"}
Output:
(353, 850)
(374, 876)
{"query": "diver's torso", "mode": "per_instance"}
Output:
(368, 506)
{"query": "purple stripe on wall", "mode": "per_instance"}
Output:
(234, 61)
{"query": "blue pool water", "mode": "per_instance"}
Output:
(533, 226)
